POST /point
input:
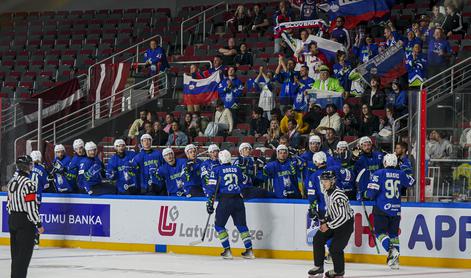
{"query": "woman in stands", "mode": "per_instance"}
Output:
(374, 96)
(349, 121)
(273, 134)
(369, 123)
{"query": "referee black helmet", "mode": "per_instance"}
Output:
(328, 175)
(24, 163)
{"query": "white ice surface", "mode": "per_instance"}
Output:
(72, 263)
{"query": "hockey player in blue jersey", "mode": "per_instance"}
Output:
(208, 165)
(91, 172)
(246, 163)
(285, 172)
(368, 162)
(170, 173)
(403, 161)
(72, 169)
(147, 161)
(225, 186)
(39, 174)
(155, 58)
(120, 168)
(343, 155)
(191, 174)
(62, 182)
(309, 166)
(384, 189)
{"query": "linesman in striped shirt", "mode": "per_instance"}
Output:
(337, 225)
(24, 220)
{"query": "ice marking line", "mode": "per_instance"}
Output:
(408, 274)
(82, 256)
(102, 269)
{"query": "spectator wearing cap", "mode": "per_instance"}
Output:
(398, 98)
(290, 114)
(259, 22)
(330, 120)
(314, 116)
(294, 138)
(437, 17)
(284, 74)
(314, 59)
(228, 52)
(327, 83)
(374, 97)
(342, 70)
(240, 22)
(410, 41)
(329, 145)
(243, 57)
(453, 23)
(416, 65)
(230, 91)
(369, 123)
(259, 124)
(280, 16)
(365, 51)
(160, 137)
(438, 53)
(340, 33)
(349, 121)
(178, 137)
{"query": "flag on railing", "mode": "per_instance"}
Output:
(63, 98)
(388, 65)
(325, 97)
(200, 91)
(356, 11)
(106, 82)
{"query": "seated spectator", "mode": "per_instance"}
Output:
(437, 147)
(438, 53)
(178, 137)
(327, 83)
(340, 33)
(148, 129)
(260, 22)
(192, 125)
(267, 98)
(160, 137)
(342, 70)
(386, 125)
(349, 121)
(169, 119)
(240, 22)
(275, 114)
(330, 120)
(329, 145)
(230, 90)
(410, 41)
(244, 57)
(294, 138)
(374, 97)
(314, 59)
(392, 36)
(290, 114)
(151, 117)
(453, 23)
(223, 122)
(397, 98)
(273, 134)
(313, 116)
(259, 124)
(137, 125)
(465, 140)
(416, 65)
(437, 17)
(369, 123)
(185, 122)
(228, 53)
(284, 74)
(155, 58)
(365, 51)
(280, 16)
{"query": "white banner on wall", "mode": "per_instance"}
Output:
(434, 231)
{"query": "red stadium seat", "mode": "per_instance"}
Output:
(232, 139)
(249, 139)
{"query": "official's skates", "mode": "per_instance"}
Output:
(227, 254)
(331, 274)
(328, 258)
(393, 258)
(36, 241)
(315, 272)
(248, 254)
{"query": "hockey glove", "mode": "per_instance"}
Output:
(210, 205)
(312, 212)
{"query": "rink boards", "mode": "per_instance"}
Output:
(432, 234)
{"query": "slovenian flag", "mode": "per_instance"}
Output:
(323, 98)
(200, 91)
(356, 11)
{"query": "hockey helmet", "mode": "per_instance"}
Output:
(225, 157)
(390, 160)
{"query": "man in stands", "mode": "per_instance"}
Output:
(259, 20)
(327, 83)
(155, 58)
(284, 74)
(230, 90)
(244, 57)
(331, 140)
(280, 16)
(438, 53)
(340, 34)
(290, 114)
(259, 124)
(229, 52)
(160, 137)
(416, 65)
(217, 66)
(453, 23)
(178, 137)
(365, 51)
(314, 59)
(392, 36)
(137, 125)
(294, 138)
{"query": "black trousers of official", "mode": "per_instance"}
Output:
(22, 233)
(340, 237)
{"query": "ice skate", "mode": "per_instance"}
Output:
(331, 274)
(316, 271)
(36, 242)
(393, 258)
(248, 254)
(328, 258)
(227, 254)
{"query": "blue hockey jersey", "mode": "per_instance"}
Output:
(172, 176)
(72, 169)
(146, 163)
(206, 168)
(285, 176)
(246, 164)
(229, 177)
(155, 56)
(191, 175)
(39, 176)
(122, 170)
(385, 187)
(230, 96)
(365, 52)
(365, 166)
(62, 181)
(89, 173)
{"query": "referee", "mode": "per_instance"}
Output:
(24, 218)
(337, 225)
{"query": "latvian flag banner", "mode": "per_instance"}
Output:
(200, 91)
(356, 11)
(108, 80)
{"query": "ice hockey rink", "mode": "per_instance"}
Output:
(72, 263)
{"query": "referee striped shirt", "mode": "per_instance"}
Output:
(338, 208)
(22, 197)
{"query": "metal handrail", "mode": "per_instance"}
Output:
(394, 129)
(87, 115)
(203, 21)
(112, 57)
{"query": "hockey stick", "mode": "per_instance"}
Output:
(370, 226)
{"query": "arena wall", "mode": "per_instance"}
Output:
(432, 234)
